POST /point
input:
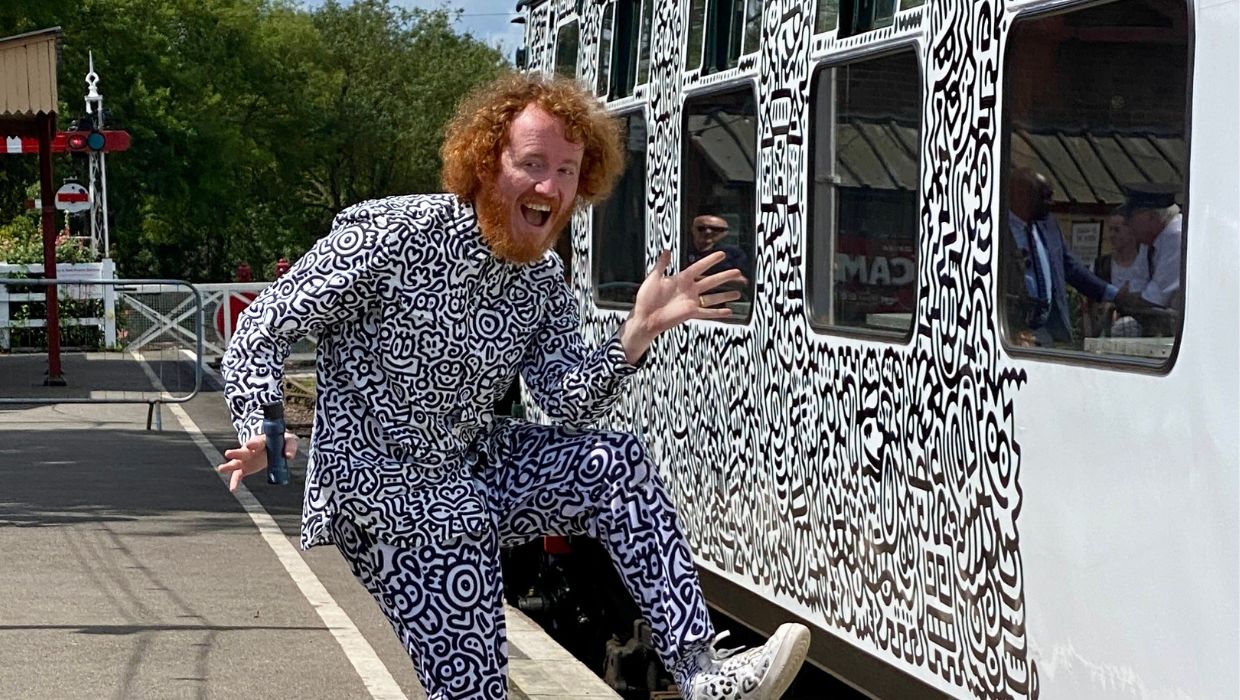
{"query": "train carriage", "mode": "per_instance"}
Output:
(886, 439)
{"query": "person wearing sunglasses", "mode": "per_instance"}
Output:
(707, 236)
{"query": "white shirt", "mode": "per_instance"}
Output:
(1165, 280)
(1135, 274)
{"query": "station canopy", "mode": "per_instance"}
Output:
(27, 80)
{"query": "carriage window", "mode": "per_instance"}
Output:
(1095, 133)
(717, 166)
(619, 247)
(858, 16)
(566, 50)
(624, 54)
(753, 26)
(697, 29)
(722, 30)
(604, 51)
(828, 12)
(866, 135)
(643, 48)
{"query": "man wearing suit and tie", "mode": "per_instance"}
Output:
(1046, 265)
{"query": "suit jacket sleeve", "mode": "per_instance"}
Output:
(1078, 275)
(334, 281)
(573, 384)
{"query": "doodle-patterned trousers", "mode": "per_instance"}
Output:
(445, 600)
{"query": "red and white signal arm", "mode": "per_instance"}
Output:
(72, 198)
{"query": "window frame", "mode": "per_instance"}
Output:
(1081, 358)
(834, 329)
(750, 83)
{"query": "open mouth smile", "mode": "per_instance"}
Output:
(536, 214)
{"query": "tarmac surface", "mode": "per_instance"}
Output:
(130, 571)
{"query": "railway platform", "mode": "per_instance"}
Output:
(130, 571)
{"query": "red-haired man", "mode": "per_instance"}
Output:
(426, 307)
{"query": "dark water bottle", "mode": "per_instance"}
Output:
(273, 428)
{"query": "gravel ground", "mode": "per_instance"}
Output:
(298, 417)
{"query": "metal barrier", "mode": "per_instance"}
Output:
(158, 328)
(223, 303)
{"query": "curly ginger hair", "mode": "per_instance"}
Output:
(478, 133)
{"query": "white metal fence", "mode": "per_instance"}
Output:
(14, 298)
(122, 341)
(221, 304)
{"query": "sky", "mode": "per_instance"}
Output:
(488, 20)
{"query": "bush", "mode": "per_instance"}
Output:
(21, 243)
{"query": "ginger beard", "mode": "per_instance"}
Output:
(496, 216)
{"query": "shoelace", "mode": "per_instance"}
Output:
(721, 654)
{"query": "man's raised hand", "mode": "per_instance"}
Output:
(666, 301)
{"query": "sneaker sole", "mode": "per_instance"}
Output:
(788, 660)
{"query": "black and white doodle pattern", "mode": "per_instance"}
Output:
(445, 599)
(420, 329)
(874, 486)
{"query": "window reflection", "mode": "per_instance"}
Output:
(717, 193)
(604, 52)
(828, 12)
(619, 246)
(863, 246)
(720, 31)
(626, 38)
(1095, 124)
(693, 40)
(643, 51)
(865, 16)
(753, 25)
(566, 50)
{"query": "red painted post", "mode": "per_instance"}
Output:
(47, 128)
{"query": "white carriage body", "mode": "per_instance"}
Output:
(989, 521)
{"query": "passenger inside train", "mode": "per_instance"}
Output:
(1125, 265)
(710, 233)
(1047, 264)
(1156, 222)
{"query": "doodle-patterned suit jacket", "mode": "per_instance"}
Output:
(420, 328)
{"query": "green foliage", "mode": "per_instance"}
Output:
(21, 243)
(253, 121)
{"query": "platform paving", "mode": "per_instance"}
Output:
(129, 570)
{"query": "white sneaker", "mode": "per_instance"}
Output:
(761, 673)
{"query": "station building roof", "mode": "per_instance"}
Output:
(28, 74)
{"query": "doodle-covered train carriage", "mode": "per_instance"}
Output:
(878, 441)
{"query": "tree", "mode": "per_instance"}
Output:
(254, 121)
(392, 79)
